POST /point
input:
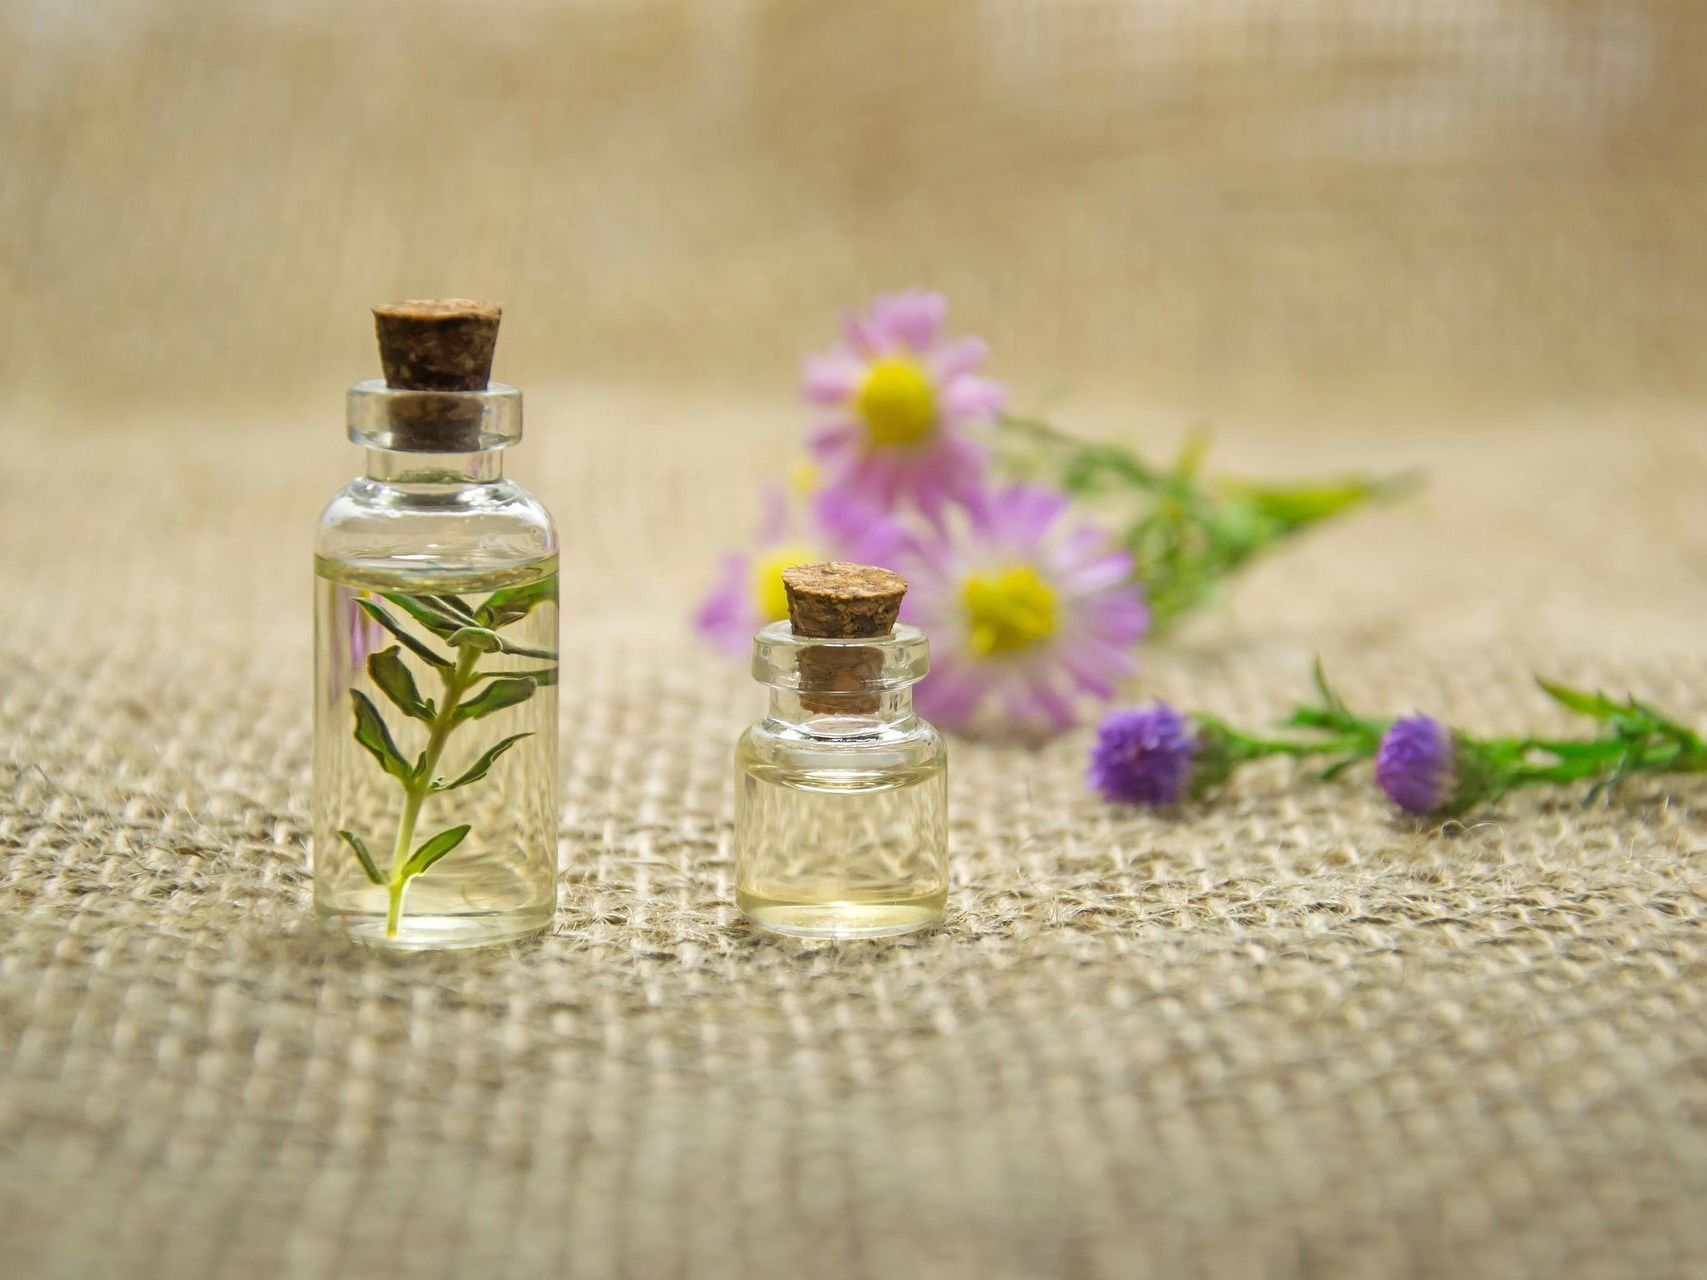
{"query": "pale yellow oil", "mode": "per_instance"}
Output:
(500, 881)
(838, 849)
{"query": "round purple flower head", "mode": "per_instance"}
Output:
(1417, 764)
(1143, 756)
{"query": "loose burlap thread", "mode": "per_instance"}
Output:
(1283, 1035)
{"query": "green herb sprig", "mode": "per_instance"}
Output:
(466, 693)
(1186, 534)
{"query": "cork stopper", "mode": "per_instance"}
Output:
(841, 601)
(437, 344)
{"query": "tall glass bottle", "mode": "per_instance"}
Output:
(841, 801)
(435, 727)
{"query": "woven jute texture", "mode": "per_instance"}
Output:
(1283, 1035)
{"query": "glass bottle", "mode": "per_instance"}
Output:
(841, 806)
(435, 727)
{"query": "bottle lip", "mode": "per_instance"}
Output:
(378, 416)
(883, 663)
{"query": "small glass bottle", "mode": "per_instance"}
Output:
(841, 808)
(435, 725)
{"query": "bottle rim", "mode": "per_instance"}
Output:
(378, 416)
(863, 664)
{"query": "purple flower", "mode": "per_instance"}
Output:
(1144, 756)
(749, 591)
(898, 395)
(1417, 764)
(1027, 614)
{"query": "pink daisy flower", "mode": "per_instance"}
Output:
(749, 591)
(1028, 615)
(899, 396)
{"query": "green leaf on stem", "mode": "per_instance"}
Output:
(372, 734)
(1596, 705)
(363, 856)
(483, 639)
(456, 606)
(427, 611)
(514, 603)
(393, 678)
(482, 766)
(434, 849)
(522, 651)
(1338, 767)
(419, 649)
(505, 691)
(544, 676)
(1319, 677)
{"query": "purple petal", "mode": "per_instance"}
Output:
(949, 697)
(1109, 569)
(726, 617)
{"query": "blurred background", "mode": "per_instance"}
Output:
(1461, 237)
(1264, 209)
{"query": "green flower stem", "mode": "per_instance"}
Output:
(456, 682)
(1246, 747)
(1187, 535)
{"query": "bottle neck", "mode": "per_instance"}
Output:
(398, 466)
(840, 715)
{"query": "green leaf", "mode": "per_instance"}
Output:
(363, 856)
(420, 650)
(427, 611)
(482, 638)
(1596, 705)
(514, 603)
(506, 691)
(372, 734)
(455, 605)
(544, 676)
(434, 849)
(1330, 699)
(396, 683)
(522, 651)
(482, 766)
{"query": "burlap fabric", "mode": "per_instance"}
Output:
(1282, 1036)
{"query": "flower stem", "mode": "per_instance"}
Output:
(456, 682)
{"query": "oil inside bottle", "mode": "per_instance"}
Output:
(831, 851)
(499, 879)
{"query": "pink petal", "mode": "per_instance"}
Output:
(833, 440)
(1109, 569)
(910, 319)
(1037, 700)
(831, 379)
(958, 358)
(862, 334)
(970, 399)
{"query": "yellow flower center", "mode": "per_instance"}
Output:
(1008, 610)
(770, 597)
(897, 402)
